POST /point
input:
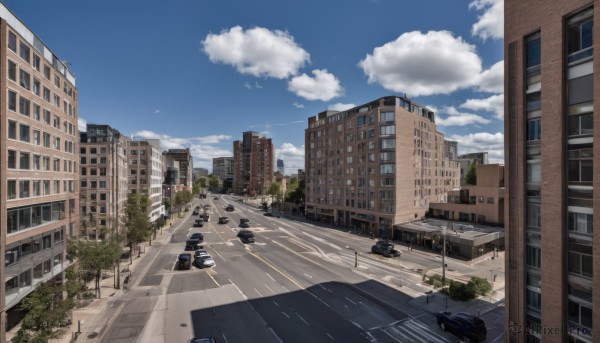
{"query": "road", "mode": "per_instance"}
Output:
(297, 283)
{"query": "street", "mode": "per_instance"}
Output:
(297, 283)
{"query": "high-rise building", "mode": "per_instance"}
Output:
(39, 171)
(146, 174)
(253, 164)
(103, 185)
(223, 169)
(552, 263)
(280, 166)
(450, 149)
(375, 165)
(186, 165)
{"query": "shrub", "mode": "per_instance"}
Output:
(461, 291)
(436, 281)
(482, 286)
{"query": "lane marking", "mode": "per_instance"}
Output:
(285, 314)
(216, 252)
(258, 292)
(272, 291)
(350, 300)
(215, 281)
(239, 290)
(224, 338)
(302, 319)
(310, 277)
(330, 336)
(276, 304)
(269, 275)
(274, 334)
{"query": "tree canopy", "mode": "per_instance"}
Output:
(137, 222)
(471, 177)
(95, 256)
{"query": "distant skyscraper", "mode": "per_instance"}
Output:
(280, 166)
(253, 164)
(450, 149)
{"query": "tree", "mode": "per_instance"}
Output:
(297, 195)
(213, 182)
(179, 201)
(137, 222)
(95, 256)
(167, 203)
(275, 190)
(471, 177)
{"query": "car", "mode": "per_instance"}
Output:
(244, 222)
(192, 244)
(202, 340)
(268, 214)
(184, 261)
(463, 325)
(246, 236)
(385, 248)
(204, 261)
(216, 198)
(195, 212)
(223, 220)
(197, 235)
(229, 208)
(200, 253)
(206, 216)
(198, 223)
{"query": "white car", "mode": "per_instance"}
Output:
(204, 261)
(198, 253)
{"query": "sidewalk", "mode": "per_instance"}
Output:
(92, 319)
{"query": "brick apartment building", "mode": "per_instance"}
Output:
(39, 169)
(253, 164)
(103, 185)
(375, 165)
(552, 262)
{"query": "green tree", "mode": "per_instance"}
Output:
(167, 203)
(196, 189)
(297, 195)
(213, 182)
(471, 177)
(202, 182)
(95, 256)
(137, 222)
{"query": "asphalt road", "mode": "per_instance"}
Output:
(297, 283)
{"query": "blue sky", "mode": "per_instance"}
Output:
(199, 73)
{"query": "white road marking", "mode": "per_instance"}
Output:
(272, 291)
(239, 290)
(302, 319)
(285, 314)
(360, 302)
(224, 338)
(270, 277)
(216, 252)
(330, 336)
(274, 334)
(308, 276)
(353, 303)
(258, 292)
(276, 304)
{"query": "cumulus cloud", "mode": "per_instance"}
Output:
(494, 104)
(323, 86)
(340, 107)
(481, 142)
(418, 64)
(456, 118)
(297, 105)
(81, 124)
(492, 80)
(491, 23)
(292, 156)
(257, 51)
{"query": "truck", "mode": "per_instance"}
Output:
(385, 248)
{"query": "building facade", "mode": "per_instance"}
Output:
(146, 174)
(223, 169)
(552, 246)
(39, 169)
(450, 149)
(280, 166)
(466, 160)
(253, 164)
(375, 165)
(103, 185)
(186, 165)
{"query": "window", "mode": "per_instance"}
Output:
(56, 186)
(47, 116)
(386, 169)
(24, 51)
(46, 139)
(25, 79)
(533, 256)
(581, 124)
(534, 299)
(581, 223)
(12, 129)
(387, 156)
(11, 189)
(56, 164)
(388, 130)
(12, 101)
(36, 86)
(12, 159)
(581, 166)
(36, 62)
(47, 72)
(361, 121)
(12, 41)
(580, 36)
(24, 160)
(534, 171)
(56, 101)
(387, 116)
(580, 314)
(24, 106)
(36, 112)
(534, 54)
(12, 71)
(46, 94)
(57, 143)
(490, 200)
(57, 80)
(24, 131)
(37, 162)
(580, 259)
(24, 189)
(388, 143)
(56, 122)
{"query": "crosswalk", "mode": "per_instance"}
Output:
(414, 331)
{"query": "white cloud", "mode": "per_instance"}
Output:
(257, 51)
(495, 104)
(456, 118)
(340, 107)
(297, 105)
(257, 85)
(157, 111)
(81, 124)
(491, 23)
(418, 63)
(247, 85)
(323, 86)
(492, 80)
(481, 142)
(292, 156)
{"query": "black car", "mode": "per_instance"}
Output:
(223, 220)
(192, 244)
(184, 261)
(206, 216)
(246, 236)
(463, 325)
(216, 198)
(245, 222)
(198, 223)
(197, 235)
(229, 208)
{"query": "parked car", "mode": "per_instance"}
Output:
(192, 244)
(463, 325)
(200, 253)
(229, 208)
(385, 248)
(184, 261)
(244, 222)
(197, 235)
(246, 236)
(223, 220)
(195, 212)
(204, 261)
(206, 217)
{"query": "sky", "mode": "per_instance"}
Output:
(199, 73)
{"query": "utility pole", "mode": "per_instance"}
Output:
(444, 255)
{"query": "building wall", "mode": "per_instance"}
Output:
(253, 164)
(184, 157)
(145, 177)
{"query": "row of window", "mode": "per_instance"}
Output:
(17, 251)
(24, 133)
(24, 107)
(25, 279)
(29, 161)
(33, 188)
(25, 217)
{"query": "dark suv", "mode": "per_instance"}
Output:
(192, 244)
(223, 220)
(229, 208)
(245, 222)
(184, 261)
(197, 235)
(463, 325)
(246, 236)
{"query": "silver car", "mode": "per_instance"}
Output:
(204, 261)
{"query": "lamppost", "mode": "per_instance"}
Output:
(444, 254)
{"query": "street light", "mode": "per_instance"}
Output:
(444, 254)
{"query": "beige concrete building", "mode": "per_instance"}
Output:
(146, 174)
(186, 165)
(103, 185)
(552, 239)
(375, 165)
(39, 203)
(483, 203)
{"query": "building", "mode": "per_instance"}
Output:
(466, 160)
(450, 149)
(280, 166)
(358, 172)
(146, 174)
(552, 263)
(483, 203)
(253, 164)
(199, 172)
(223, 169)
(186, 165)
(39, 195)
(103, 185)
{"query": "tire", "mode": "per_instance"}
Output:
(442, 325)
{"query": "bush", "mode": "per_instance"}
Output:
(461, 291)
(436, 281)
(482, 286)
